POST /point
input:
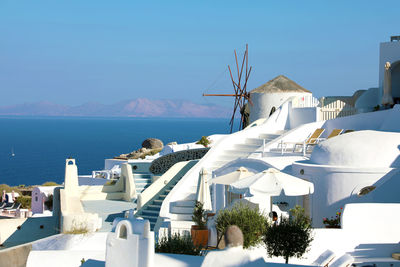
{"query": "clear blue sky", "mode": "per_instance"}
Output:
(71, 52)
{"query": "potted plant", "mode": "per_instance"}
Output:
(199, 231)
(333, 222)
(204, 141)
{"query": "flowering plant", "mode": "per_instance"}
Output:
(333, 222)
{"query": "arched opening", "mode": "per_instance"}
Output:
(122, 232)
(272, 111)
(365, 190)
(70, 162)
(396, 82)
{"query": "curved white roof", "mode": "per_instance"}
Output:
(367, 149)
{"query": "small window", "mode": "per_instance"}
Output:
(36, 199)
(365, 190)
(122, 232)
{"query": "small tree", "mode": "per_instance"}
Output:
(252, 223)
(291, 237)
(199, 215)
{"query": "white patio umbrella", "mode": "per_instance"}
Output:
(271, 182)
(203, 190)
(232, 177)
(387, 86)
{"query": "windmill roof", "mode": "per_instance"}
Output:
(280, 84)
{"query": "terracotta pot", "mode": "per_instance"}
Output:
(332, 226)
(199, 236)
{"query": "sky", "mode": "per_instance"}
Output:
(72, 52)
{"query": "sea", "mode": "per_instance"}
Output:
(33, 149)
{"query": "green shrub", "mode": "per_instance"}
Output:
(5, 187)
(204, 141)
(291, 237)
(50, 184)
(25, 201)
(177, 244)
(252, 223)
(199, 215)
(77, 229)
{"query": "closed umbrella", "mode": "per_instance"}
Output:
(232, 177)
(203, 191)
(272, 182)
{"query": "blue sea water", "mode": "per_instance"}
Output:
(41, 144)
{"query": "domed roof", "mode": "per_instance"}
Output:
(280, 84)
(367, 149)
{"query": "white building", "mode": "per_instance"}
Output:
(40, 195)
(271, 95)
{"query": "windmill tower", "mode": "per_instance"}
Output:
(239, 88)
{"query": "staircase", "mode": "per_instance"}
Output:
(142, 181)
(243, 150)
(181, 211)
(151, 209)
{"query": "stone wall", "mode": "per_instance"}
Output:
(162, 164)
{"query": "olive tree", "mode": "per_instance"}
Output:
(291, 237)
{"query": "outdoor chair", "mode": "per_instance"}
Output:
(7, 206)
(10, 206)
(344, 261)
(14, 208)
(348, 131)
(2, 205)
(325, 258)
(335, 132)
(311, 139)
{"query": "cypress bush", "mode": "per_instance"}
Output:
(252, 223)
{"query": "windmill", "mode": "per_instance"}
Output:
(239, 87)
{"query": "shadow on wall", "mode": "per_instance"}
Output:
(32, 229)
(110, 218)
(375, 250)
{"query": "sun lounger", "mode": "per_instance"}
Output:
(7, 206)
(311, 139)
(344, 261)
(325, 258)
(335, 132)
(2, 205)
(348, 131)
(10, 206)
(14, 208)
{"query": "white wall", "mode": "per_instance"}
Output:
(389, 52)
(263, 103)
(299, 116)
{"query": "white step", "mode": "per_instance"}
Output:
(269, 136)
(237, 153)
(181, 217)
(254, 141)
(246, 148)
(183, 203)
(182, 210)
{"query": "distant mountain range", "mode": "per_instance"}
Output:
(140, 107)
